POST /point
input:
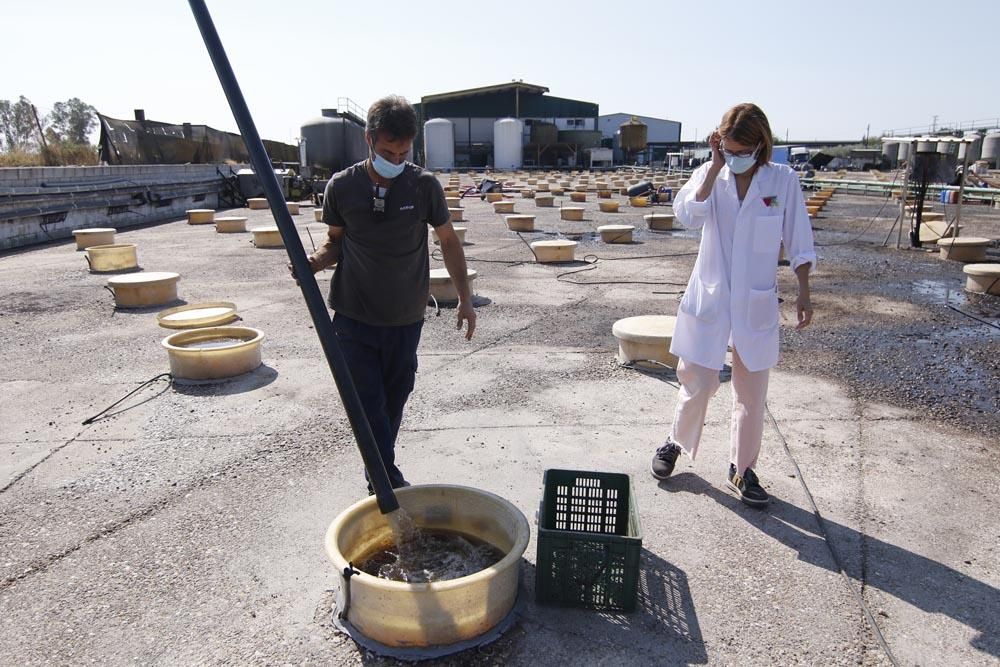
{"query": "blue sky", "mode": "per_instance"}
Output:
(820, 70)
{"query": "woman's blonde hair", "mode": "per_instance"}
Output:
(747, 124)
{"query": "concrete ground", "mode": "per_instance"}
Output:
(187, 526)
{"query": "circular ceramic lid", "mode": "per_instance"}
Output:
(441, 275)
(231, 218)
(557, 243)
(658, 216)
(615, 228)
(982, 269)
(197, 315)
(135, 279)
(94, 230)
(645, 328)
(264, 230)
(572, 208)
(200, 210)
(963, 240)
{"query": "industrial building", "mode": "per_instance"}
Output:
(505, 126)
(662, 136)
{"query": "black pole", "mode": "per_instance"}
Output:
(296, 253)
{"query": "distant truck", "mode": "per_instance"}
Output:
(790, 155)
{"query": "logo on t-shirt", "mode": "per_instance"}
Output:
(407, 207)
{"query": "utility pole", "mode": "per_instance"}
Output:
(934, 124)
(41, 136)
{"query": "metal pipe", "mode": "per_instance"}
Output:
(296, 253)
(961, 192)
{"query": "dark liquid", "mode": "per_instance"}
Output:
(432, 556)
(212, 343)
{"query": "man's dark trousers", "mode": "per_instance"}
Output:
(383, 363)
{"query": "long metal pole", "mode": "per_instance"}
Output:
(906, 186)
(961, 190)
(296, 253)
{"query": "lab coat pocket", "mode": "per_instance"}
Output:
(762, 309)
(767, 233)
(701, 301)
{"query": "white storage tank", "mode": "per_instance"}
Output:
(991, 148)
(890, 152)
(973, 150)
(927, 146)
(947, 147)
(904, 152)
(439, 143)
(507, 136)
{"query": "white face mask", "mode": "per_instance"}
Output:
(384, 168)
(739, 164)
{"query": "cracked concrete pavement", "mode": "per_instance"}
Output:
(187, 526)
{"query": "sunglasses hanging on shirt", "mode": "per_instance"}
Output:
(378, 200)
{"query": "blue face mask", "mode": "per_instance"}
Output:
(383, 167)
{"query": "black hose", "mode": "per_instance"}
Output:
(91, 420)
(377, 474)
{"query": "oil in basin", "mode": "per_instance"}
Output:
(213, 353)
(439, 613)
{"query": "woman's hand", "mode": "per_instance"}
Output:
(715, 141)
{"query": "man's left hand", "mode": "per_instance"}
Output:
(804, 310)
(467, 314)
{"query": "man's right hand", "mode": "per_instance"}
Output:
(315, 263)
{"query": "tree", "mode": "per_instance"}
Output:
(17, 124)
(72, 120)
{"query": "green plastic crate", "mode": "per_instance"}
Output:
(589, 539)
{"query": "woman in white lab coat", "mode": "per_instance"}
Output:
(746, 208)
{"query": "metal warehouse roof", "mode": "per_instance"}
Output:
(486, 90)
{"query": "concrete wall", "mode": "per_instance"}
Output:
(40, 204)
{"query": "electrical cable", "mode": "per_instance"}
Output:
(829, 544)
(970, 315)
(91, 420)
(816, 513)
(871, 222)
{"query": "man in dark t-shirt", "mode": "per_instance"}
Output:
(378, 211)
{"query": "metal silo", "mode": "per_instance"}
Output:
(972, 150)
(927, 146)
(544, 134)
(904, 152)
(439, 143)
(334, 142)
(635, 135)
(947, 147)
(991, 148)
(507, 151)
(890, 152)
